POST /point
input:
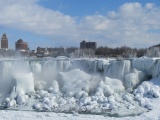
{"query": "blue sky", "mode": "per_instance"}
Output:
(54, 23)
(81, 8)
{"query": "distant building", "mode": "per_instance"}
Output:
(4, 42)
(83, 45)
(40, 50)
(88, 45)
(20, 45)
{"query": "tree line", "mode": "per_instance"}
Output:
(123, 51)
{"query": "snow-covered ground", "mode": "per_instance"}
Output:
(80, 89)
(31, 115)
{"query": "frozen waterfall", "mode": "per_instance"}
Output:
(40, 73)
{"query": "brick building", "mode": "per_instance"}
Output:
(4, 42)
(20, 45)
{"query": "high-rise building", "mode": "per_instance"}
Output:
(88, 45)
(20, 45)
(83, 45)
(4, 42)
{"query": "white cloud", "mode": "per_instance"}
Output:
(132, 24)
(28, 15)
(149, 5)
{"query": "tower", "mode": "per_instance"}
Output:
(4, 42)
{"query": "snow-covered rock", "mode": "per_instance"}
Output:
(21, 99)
(37, 106)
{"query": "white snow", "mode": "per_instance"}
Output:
(154, 114)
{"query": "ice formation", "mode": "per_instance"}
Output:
(133, 79)
(80, 85)
(74, 83)
(109, 86)
(118, 69)
(144, 64)
(24, 83)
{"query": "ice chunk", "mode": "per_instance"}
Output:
(148, 89)
(154, 91)
(54, 87)
(11, 103)
(110, 86)
(132, 80)
(7, 100)
(148, 105)
(45, 107)
(140, 90)
(24, 83)
(43, 93)
(21, 99)
(37, 106)
(147, 86)
(73, 81)
(40, 85)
